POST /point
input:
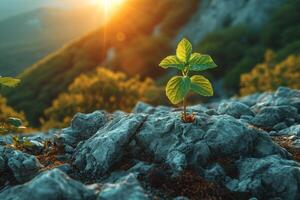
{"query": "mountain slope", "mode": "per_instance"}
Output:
(129, 42)
(28, 37)
(10, 8)
(134, 41)
(216, 14)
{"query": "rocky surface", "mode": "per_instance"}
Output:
(239, 148)
(21, 166)
(50, 185)
(127, 187)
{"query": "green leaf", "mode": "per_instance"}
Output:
(200, 62)
(15, 122)
(9, 82)
(184, 50)
(28, 144)
(177, 88)
(171, 61)
(201, 85)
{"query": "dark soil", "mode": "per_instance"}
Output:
(188, 184)
(287, 143)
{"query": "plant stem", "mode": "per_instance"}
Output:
(184, 109)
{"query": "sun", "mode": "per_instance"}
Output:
(109, 6)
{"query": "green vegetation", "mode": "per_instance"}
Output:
(179, 86)
(8, 82)
(103, 89)
(269, 75)
(9, 124)
(238, 49)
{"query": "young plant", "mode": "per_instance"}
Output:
(179, 86)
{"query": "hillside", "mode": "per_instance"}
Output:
(236, 149)
(10, 8)
(26, 38)
(124, 39)
(215, 14)
(137, 44)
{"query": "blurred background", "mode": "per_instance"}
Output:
(85, 55)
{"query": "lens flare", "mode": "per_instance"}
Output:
(109, 6)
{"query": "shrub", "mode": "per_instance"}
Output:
(268, 76)
(284, 26)
(9, 117)
(103, 89)
(10, 120)
(228, 46)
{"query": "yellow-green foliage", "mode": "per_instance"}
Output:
(103, 89)
(268, 76)
(7, 112)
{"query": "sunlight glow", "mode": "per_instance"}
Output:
(109, 6)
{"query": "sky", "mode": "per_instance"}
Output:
(10, 8)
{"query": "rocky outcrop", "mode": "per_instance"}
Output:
(127, 188)
(237, 149)
(182, 145)
(214, 14)
(50, 185)
(23, 167)
(268, 177)
(96, 155)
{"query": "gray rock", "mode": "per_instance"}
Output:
(180, 144)
(287, 96)
(5, 139)
(292, 130)
(197, 109)
(127, 188)
(280, 126)
(50, 185)
(271, 115)
(66, 168)
(22, 166)
(246, 118)
(253, 99)
(142, 107)
(264, 146)
(214, 173)
(282, 97)
(97, 154)
(234, 108)
(88, 124)
(211, 112)
(268, 177)
(141, 168)
(83, 126)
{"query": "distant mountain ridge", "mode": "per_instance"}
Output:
(10, 8)
(28, 37)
